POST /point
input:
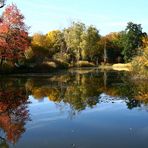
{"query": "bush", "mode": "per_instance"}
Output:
(63, 57)
(140, 65)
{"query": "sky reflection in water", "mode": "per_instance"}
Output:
(81, 109)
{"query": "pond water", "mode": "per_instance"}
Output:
(74, 109)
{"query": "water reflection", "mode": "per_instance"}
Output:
(78, 89)
(13, 110)
(84, 90)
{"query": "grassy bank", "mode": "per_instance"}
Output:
(44, 67)
(122, 67)
(47, 67)
(117, 67)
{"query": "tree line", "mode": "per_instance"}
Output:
(76, 43)
(81, 42)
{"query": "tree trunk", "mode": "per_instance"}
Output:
(97, 61)
(105, 54)
(1, 63)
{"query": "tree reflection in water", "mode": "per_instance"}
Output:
(78, 89)
(13, 109)
(81, 90)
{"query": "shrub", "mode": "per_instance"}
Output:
(140, 64)
(63, 57)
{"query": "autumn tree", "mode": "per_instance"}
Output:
(39, 39)
(13, 35)
(39, 47)
(145, 42)
(57, 46)
(55, 42)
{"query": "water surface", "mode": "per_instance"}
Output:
(76, 109)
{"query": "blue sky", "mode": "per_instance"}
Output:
(106, 15)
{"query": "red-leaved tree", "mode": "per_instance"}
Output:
(13, 35)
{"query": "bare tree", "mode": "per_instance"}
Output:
(2, 3)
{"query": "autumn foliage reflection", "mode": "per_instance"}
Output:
(81, 90)
(77, 89)
(13, 109)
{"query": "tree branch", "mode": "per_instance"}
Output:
(2, 3)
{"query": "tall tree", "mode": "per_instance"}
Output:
(110, 47)
(132, 40)
(13, 35)
(39, 47)
(55, 42)
(73, 38)
(89, 44)
(114, 48)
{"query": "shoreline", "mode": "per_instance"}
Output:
(51, 71)
(117, 67)
(47, 71)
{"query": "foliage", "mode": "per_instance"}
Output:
(89, 44)
(132, 40)
(29, 53)
(39, 39)
(78, 45)
(73, 39)
(140, 64)
(13, 109)
(84, 89)
(63, 57)
(39, 48)
(82, 42)
(111, 43)
(55, 41)
(47, 45)
(13, 35)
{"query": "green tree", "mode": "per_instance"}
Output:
(89, 44)
(132, 40)
(111, 44)
(73, 39)
(114, 47)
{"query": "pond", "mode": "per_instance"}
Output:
(84, 108)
